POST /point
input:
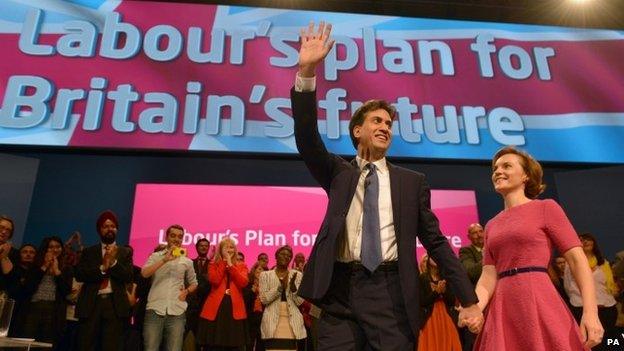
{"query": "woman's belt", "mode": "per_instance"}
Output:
(514, 271)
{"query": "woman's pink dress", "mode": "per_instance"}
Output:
(525, 311)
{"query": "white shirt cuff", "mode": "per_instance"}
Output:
(304, 84)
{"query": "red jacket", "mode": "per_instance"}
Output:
(217, 278)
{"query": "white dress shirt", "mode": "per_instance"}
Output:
(352, 245)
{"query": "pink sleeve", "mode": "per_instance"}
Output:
(558, 227)
(488, 259)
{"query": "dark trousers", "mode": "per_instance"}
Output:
(39, 322)
(103, 329)
(68, 341)
(467, 339)
(364, 311)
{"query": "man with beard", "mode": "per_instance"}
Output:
(103, 306)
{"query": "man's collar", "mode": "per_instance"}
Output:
(381, 164)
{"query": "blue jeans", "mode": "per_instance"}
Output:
(170, 327)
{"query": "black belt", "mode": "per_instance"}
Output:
(385, 266)
(515, 271)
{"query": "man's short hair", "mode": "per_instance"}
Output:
(174, 226)
(201, 240)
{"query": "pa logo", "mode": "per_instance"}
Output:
(614, 341)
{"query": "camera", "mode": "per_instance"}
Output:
(178, 252)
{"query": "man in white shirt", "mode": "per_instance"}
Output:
(173, 278)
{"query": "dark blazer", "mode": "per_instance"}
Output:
(88, 271)
(197, 299)
(411, 209)
(29, 286)
(472, 260)
(203, 286)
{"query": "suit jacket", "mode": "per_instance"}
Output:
(217, 276)
(472, 260)
(411, 207)
(271, 296)
(196, 300)
(88, 271)
(27, 283)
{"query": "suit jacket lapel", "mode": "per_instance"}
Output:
(395, 194)
(100, 256)
(353, 181)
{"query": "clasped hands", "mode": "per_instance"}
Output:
(110, 257)
(471, 317)
(50, 264)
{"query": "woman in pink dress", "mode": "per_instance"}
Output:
(525, 312)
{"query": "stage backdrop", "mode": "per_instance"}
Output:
(261, 218)
(137, 74)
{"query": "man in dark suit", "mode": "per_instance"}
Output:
(103, 306)
(196, 300)
(362, 269)
(471, 258)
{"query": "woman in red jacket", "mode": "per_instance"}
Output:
(222, 324)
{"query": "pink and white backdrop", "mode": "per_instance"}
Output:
(261, 218)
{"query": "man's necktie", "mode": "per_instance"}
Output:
(371, 241)
(202, 265)
(105, 281)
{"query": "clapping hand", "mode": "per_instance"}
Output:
(439, 286)
(110, 256)
(48, 258)
(54, 266)
(5, 249)
(293, 286)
